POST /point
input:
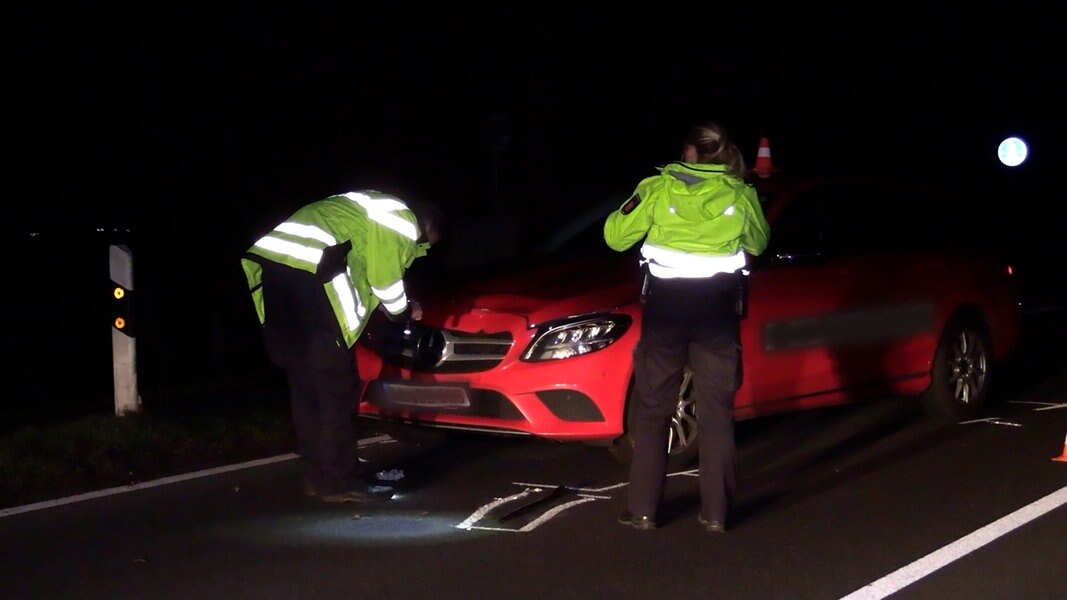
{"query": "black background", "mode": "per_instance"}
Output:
(180, 109)
(197, 127)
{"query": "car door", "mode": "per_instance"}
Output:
(826, 304)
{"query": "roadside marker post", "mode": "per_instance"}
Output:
(123, 342)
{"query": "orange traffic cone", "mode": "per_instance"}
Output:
(763, 166)
(1062, 457)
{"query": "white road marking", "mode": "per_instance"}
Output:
(687, 473)
(1043, 405)
(586, 495)
(7, 512)
(992, 421)
(574, 489)
(485, 508)
(555, 511)
(915, 571)
(469, 523)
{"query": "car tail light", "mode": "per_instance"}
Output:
(576, 336)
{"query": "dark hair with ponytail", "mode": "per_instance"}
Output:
(713, 145)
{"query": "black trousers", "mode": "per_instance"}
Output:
(694, 323)
(302, 337)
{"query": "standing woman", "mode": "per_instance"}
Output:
(698, 219)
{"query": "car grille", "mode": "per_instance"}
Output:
(437, 350)
(463, 352)
(483, 403)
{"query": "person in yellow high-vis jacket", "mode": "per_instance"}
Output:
(315, 279)
(698, 219)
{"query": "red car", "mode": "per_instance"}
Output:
(859, 295)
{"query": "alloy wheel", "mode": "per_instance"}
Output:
(968, 366)
(683, 429)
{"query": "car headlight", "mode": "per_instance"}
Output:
(576, 336)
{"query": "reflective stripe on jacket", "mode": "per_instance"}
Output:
(359, 243)
(695, 219)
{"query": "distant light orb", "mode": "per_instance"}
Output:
(1012, 152)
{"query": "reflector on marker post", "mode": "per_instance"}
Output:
(123, 345)
(122, 307)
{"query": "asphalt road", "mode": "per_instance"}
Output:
(859, 502)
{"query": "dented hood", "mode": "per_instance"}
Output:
(536, 290)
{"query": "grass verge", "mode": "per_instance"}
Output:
(102, 451)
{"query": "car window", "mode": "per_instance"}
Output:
(886, 217)
(859, 219)
(580, 235)
(798, 231)
(856, 218)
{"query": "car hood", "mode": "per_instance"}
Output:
(537, 290)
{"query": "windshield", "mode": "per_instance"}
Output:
(579, 235)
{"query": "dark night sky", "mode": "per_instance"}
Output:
(201, 127)
(236, 115)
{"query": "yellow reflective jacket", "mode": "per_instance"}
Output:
(359, 243)
(696, 209)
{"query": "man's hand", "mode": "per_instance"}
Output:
(416, 310)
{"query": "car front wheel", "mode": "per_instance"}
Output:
(681, 435)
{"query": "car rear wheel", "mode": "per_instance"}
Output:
(681, 436)
(959, 383)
